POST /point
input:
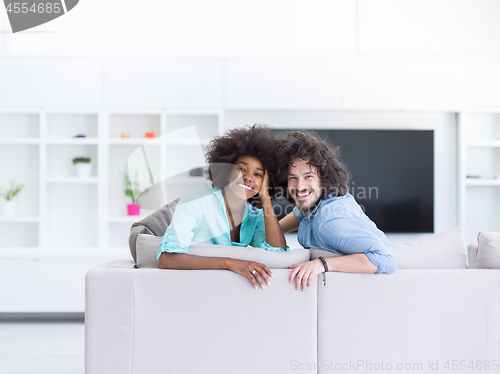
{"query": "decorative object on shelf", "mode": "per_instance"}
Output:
(80, 136)
(197, 172)
(131, 190)
(150, 134)
(7, 204)
(125, 135)
(83, 167)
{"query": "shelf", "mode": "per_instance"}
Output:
(482, 182)
(158, 141)
(125, 219)
(129, 141)
(35, 253)
(20, 141)
(20, 219)
(484, 143)
(202, 142)
(56, 206)
(72, 180)
(80, 141)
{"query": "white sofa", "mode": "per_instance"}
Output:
(445, 316)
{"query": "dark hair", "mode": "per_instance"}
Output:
(256, 141)
(307, 145)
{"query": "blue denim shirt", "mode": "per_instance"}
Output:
(339, 225)
(201, 217)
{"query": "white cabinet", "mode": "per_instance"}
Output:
(481, 144)
(51, 81)
(277, 84)
(164, 83)
(64, 216)
(402, 85)
(19, 152)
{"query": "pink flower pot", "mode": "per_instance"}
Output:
(133, 209)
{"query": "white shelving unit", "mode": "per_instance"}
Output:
(480, 173)
(62, 216)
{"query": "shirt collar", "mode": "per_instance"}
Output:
(311, 215)
(218, 193)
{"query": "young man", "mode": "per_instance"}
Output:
(326, 215)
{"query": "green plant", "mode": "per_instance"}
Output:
(84, 160)
(13, 191)
(131, 187)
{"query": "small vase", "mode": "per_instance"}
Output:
(133, 209)
(83, 170)
(7, 208)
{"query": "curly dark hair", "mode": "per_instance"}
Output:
(307, 145)
(256, 141)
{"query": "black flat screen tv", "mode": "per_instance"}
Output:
(392, 176)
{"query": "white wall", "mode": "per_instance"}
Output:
(267, 29)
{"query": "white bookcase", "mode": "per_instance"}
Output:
(481, 173)
(61, 215)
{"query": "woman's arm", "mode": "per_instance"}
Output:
(289, 223)
(274, 235)
(254, 271)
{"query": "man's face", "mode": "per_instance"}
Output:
(304, 185)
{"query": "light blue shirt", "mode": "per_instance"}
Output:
(201, 217)
(339, 225)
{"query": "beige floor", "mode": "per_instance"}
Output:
(42, 348)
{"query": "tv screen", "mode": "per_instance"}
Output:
(392, 176)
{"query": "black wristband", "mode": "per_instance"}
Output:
(325, 265)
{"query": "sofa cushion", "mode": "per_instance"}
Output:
(445, 250)
(488, 250)
(154, 224)
(148, 245)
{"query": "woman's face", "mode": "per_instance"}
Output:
(246, 177)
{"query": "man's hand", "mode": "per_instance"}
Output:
(305, 273)
(254, 271)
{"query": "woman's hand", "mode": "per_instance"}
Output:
(264, 188)
(254, 271)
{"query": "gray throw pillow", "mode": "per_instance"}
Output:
(445, 250)
(154, 224)
(148, 245)
(488, 250)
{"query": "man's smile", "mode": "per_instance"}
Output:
(304, 194)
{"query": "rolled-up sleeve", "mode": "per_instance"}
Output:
(349, 238)
(385, 262)
(179, 234)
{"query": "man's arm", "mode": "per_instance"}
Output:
(289, 223)
(364, 252)
(305, 272)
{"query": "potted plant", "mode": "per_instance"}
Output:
(131, 190)
(8, 205)
(83, 167)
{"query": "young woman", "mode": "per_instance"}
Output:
(240, 164)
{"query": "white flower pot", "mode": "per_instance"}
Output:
(7, 208)
(83, 170)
